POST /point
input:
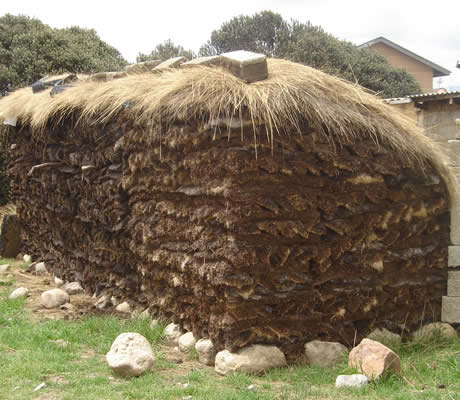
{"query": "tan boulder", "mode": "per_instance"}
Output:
(253, 359)
(373, 359)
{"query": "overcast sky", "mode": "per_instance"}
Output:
(427, 28)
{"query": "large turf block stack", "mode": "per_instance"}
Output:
(277, 212)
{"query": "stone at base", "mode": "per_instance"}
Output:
(433, 330)
(384, 336)
(253, 359)
(325, 354)
(373, 359)
(130, 355)
(355, 380)
(450, 309)
(206, 351)
(172, 333)
(186, 342)
(123, 307)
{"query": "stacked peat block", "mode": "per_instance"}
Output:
(451, 302)
(323, 230)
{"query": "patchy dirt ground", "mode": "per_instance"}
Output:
(82, 303)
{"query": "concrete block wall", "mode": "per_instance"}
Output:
(451, 302)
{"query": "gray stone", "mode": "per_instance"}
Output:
(454, 256)
(373, 359)
(130, 355)
(206, 351)
(435, 329)
(172, 333)
(453, 284)
(450, 309)
(384, 336)
(103, 302)
(73, 288)
(355, 380)
(253, 359)
(325, 354)
(123, 307)
(186, 342)
(170, 63)
(4, 268)
(19, 292)
(248, 66)
(40, 268)
(54, 298)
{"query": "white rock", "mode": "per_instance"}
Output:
(54, 298)
(384, 336)
(40, 268)
(27, 258)
(206, 351)
(73, 288)
(172, 333)
(58, 281)
(103, 302)
(19, 292)
(144, 315)
(123, 307)
(435, 329)
(356, 380)
(4, 268)
(154, 323)
(325, 354)
(130, 355)
(186, 342)
(253, 359)
(114, 301)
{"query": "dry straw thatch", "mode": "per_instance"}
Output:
(293, 96)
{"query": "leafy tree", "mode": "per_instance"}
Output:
(164, 51)
(266, 32)
(30, 49)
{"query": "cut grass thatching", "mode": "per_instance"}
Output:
(294, 96)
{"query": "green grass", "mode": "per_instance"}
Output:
(29, 355)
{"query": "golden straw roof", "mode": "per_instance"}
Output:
(292, 95)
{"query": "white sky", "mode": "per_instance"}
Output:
(427, 28)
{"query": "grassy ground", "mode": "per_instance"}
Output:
(30, 355)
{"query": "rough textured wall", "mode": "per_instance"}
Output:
(309, 240)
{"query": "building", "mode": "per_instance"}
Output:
(420, 68)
